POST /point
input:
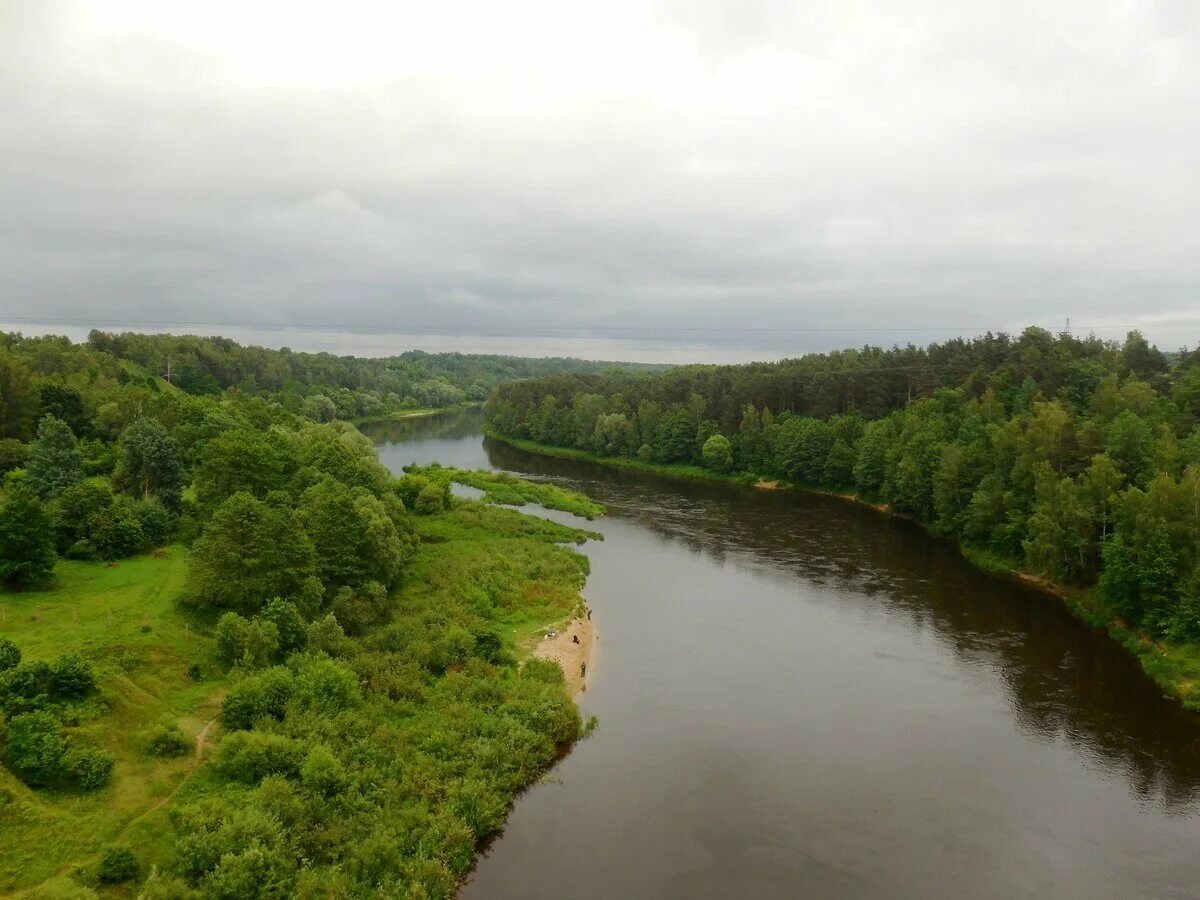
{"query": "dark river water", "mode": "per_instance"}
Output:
(802, 698)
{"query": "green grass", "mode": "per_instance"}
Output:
(509, 490)
(122, 617)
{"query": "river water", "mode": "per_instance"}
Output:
(803, 698)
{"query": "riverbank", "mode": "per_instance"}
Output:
(572, 646)
(1174, 667)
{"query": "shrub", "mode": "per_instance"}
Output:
(261, 695)
(34, 749)
(155, 522)
(322, 771)
(289, 625)
(326, 636)
(167, 740)
(71, 677)
(547, 671)
(250, 756)
(10, 655)
(26, 535)
(12, 454)
(357, 609)
(252, 644)
(324, 685)
(432, 498)
(117, 864)
(88, 767)
(115, 532)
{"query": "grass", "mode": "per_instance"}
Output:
(508, 490)
(1174, 667)
(123, 619)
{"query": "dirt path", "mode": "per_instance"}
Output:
(197, 761)
(575, 658)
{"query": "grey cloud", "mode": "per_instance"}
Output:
(866, 175)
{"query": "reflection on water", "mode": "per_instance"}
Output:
(799, 697)
(1066, 681)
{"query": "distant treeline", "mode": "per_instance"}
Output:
(356, 387)
(1078, 459)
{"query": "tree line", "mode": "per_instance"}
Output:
(1074, 458)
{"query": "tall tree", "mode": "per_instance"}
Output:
(26, 536)
(150, 462)
(55, 462)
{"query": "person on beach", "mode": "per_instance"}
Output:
(574, 639)
(582, 669)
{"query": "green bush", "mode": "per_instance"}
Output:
(250, 756)
(34, 748)
(117, 864)
(325, 686)
(167, 740)
(88, 767)
(259, 696)
(155, 521)
(10, 655)
(252, 644)
(547, 671)
(71, 677)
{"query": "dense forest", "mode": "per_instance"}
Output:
(1073, 458)
(323, 386)
(239, 656)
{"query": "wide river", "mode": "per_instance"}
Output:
(802, 698)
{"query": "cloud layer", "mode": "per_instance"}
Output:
(760, 173)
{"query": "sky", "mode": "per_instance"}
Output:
(662, 179)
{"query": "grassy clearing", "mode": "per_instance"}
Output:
(122, 618)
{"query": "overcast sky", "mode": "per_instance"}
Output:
(778, 175)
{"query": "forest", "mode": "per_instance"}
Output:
(238, 657)
(1075, 460)
(322, 386)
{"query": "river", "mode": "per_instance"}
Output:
(803, 698)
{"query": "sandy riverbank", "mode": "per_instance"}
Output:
(573, 657)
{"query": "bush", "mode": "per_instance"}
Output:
(432, 498)
(289, 625)
(155, 521)
(34, 749)
(250, 756)
(167, 740)
(323, 685)
(251, 644)
(88, 767)
(322, 771)
(326, 636)
(117, 864)
(10, 655)
(12, 454)
(257, 697)
(115, 532)
(547, 671)
(71, 677)
(357, 609)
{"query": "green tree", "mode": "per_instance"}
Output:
(250, 552)
(717, 453)
(55, 462)
(18, 401)
(354, 535)
(26, 536)
(150, 462)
